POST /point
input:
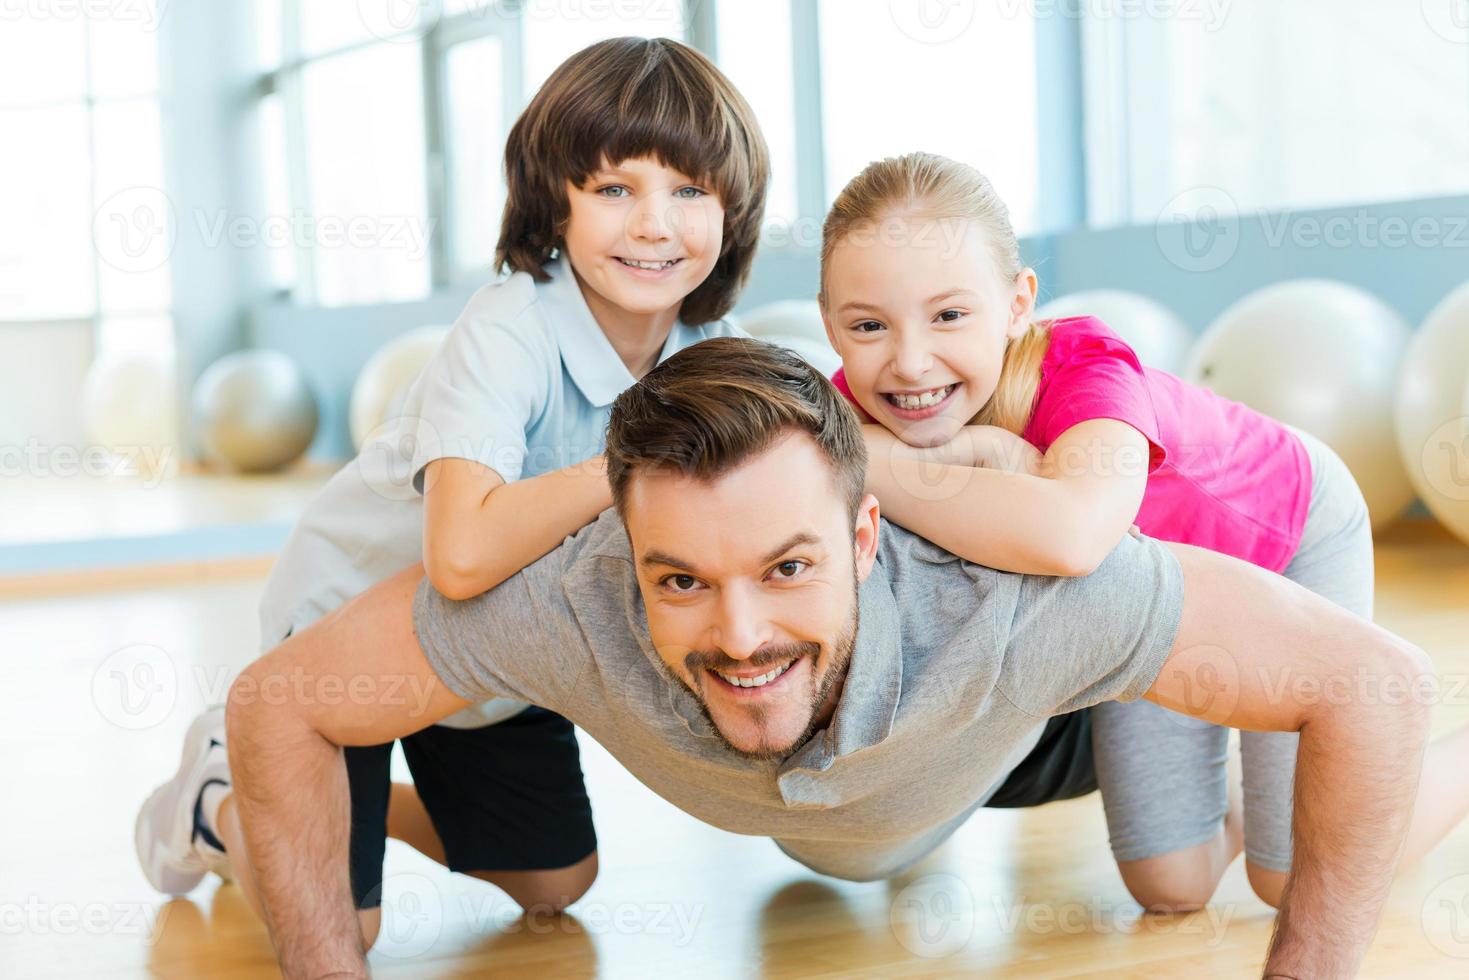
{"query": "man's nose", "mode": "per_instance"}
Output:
(742, 629)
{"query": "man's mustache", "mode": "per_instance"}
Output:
(698, 660)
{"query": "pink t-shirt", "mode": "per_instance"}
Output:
(1221, 475)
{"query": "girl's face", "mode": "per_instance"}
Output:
(641, 236)
(920, 317)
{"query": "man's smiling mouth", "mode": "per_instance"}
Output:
(759, 680)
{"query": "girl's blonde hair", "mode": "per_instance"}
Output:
(934, 187)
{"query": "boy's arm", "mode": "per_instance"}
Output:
(479, 530)
(288, 715)
(1063, 518)
(1255, 651)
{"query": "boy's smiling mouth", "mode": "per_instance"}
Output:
(654, 266)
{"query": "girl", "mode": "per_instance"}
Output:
(636, 187)
(926, 300)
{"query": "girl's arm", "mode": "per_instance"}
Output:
(479, 530)
(1060, 516)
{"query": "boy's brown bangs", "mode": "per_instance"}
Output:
(687, 129)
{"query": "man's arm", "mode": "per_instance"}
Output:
(356, 677)
(1257, 651)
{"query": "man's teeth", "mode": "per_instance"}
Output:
(926, 400)
(760, 681)
(650, 266)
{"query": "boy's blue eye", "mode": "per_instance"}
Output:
(611, 187)
(697, 193)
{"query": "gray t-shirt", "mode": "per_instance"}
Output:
(955, 671)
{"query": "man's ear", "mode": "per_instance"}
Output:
(864, 537)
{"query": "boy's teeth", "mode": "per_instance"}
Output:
(760, 681)
(925, 400)
(650, 266)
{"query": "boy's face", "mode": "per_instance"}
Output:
(921, 318)
(642, 236)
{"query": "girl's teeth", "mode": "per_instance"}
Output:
(760, 681)
(925, 400)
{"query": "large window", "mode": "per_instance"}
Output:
(956, 79)
(1276, 105)
(382, 125)
(85, 221)
(390, 118)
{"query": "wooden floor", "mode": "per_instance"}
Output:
(99, 687)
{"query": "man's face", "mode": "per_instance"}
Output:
(750, 585)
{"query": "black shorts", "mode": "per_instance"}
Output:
(505, 797)
(1060, 767)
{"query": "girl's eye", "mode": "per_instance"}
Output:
(949, 316)
(789, 569)
(681, 583)
(691, 193)
(867, 326)
(607, 191)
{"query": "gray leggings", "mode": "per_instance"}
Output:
(1162, 775)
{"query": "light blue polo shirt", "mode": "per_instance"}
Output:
(524, 384)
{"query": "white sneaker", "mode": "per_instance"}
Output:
(168, 835)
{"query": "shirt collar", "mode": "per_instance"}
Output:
(590, 359)
(874, 682)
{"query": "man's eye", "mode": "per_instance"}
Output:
(681, 583)
(790, 569)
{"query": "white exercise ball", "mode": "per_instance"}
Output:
(1155, 333)
(1323, 356)
(129, 406)
(1433, 412)
(253, 411)
(786, 318)
(818, 354)
(384, 380)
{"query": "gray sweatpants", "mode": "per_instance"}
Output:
(1162, 774)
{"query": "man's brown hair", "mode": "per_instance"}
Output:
(713, 406)
(625, 98)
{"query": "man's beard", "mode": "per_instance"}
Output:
(841, 656)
